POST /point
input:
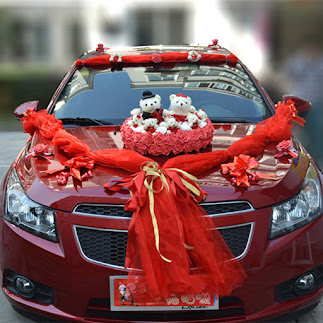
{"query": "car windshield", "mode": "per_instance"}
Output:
(93, 96)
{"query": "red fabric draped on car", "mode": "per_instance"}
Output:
(170, 233)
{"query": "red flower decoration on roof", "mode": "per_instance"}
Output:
(156, 58)
(193, 56)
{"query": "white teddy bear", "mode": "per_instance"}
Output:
(202, 114)
(180, 105)
(193, 120)
(136, 120)
(149, 107)
(172, 124)
(150, 125)
(162, 127)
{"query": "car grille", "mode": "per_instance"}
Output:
(230, 309)
(108, 247)
(212, 209)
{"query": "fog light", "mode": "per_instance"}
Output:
(304, 283)
(25, 287)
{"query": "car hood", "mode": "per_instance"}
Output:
(288, 173)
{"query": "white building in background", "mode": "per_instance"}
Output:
(55, 32)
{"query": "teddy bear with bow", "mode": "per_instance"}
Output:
(149, 107)
(180, 107)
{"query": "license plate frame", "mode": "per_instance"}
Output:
(123, 300)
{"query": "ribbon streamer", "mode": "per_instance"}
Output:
(152, 172)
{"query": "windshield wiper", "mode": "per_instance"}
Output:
(85, 122)
(231, 120)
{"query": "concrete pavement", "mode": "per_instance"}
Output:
(10, 145)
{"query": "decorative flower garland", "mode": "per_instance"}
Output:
(168, 227)
(109, 60)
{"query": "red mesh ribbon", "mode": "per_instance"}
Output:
(169, 233)
(46, 125)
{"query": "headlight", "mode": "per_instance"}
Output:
(300, 209)
(26, 214)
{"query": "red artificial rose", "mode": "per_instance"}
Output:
(182, 136)
(146, 139)
(156, 58)
(39, 149)
(141, 148)
(284, 145)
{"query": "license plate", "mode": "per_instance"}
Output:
(133, 296)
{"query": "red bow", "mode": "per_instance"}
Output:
(285, 148)
(75, 164)
(240, 168)
(179, 118)
(74, 167)
(157, 115)
(40, 150)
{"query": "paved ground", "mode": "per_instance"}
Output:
(10, 145)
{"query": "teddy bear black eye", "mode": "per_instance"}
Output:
(155, 102)
(185, 102)
(146, 104)
(176, 101)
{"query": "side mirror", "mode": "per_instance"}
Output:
(302, 106)
(23, 108)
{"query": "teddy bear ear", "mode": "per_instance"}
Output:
(158, 97)
(172, 97)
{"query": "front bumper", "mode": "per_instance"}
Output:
(81, 286)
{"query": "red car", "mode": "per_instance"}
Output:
(64, 234)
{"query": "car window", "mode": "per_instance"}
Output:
(225, 93)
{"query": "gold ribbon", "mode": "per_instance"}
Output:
(188, 185)
(152, 172)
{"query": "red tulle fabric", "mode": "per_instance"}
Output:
(252, 145)
(196, 165)
(187, 239)
(128, 160)
(70, 144)
(46, 125)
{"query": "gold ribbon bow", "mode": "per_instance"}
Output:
(152, 173)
